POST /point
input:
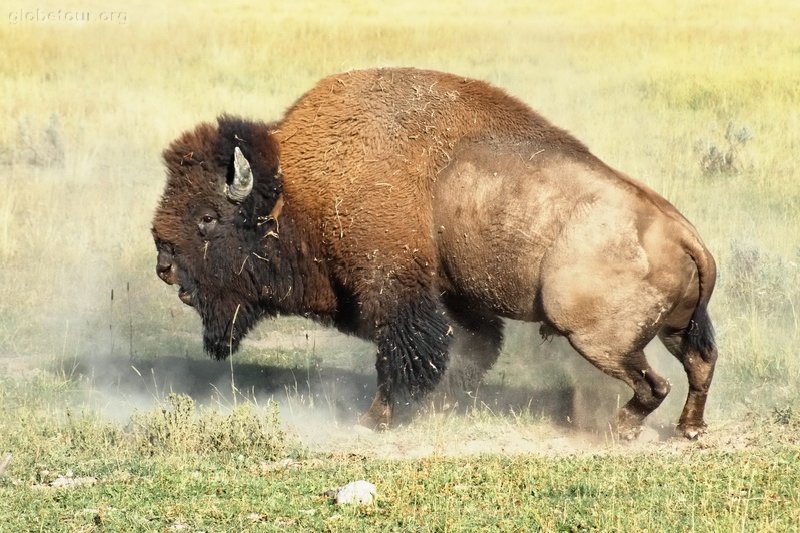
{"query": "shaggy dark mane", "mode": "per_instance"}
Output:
(211, 147)
(192, 148)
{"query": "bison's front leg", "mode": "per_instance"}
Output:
(412, 356)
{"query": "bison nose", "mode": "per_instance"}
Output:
(166, 271)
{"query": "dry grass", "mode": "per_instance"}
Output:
(650, 86)
(643, 84)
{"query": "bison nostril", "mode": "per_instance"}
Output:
(165, 271)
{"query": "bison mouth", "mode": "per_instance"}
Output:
(186, 296)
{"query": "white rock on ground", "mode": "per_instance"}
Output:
(356, 493)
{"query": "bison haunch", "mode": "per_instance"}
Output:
(415, 209)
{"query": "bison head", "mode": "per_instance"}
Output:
(214, 220)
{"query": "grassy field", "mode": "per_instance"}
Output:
(105, 389)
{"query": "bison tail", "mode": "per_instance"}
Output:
(699, 336)
(412, 350)
(706, 267)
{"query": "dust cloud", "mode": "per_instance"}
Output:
(540, 398)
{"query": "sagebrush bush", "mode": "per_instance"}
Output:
(87, 432)
(177, 425)
(724, 157)
(761, 281)
(35, 145)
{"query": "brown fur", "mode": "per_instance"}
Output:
(418, 205)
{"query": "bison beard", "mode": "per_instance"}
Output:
(223, 329)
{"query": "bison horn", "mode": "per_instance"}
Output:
(242, 178)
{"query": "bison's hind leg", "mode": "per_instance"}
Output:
(630, 366)
(694, 347)
(477, 341)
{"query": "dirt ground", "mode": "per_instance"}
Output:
(320, 405)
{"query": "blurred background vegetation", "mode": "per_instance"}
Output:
(698, 99)
(104, 388)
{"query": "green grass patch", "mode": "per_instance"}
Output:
(180, 466)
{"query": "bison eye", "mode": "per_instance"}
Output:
(207, 224)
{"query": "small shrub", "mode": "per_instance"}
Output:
(759, 280)
(178, 426)
(36, 146)
(725, 159)
(783, 415)
(169, 427)
(87, 432)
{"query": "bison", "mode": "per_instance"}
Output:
(417, 209)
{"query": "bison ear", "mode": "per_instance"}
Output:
(242, 178)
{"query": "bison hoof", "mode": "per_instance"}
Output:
(691, 431)
(629, 426)
(629, 433)
(376, 422)
(379, 414)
